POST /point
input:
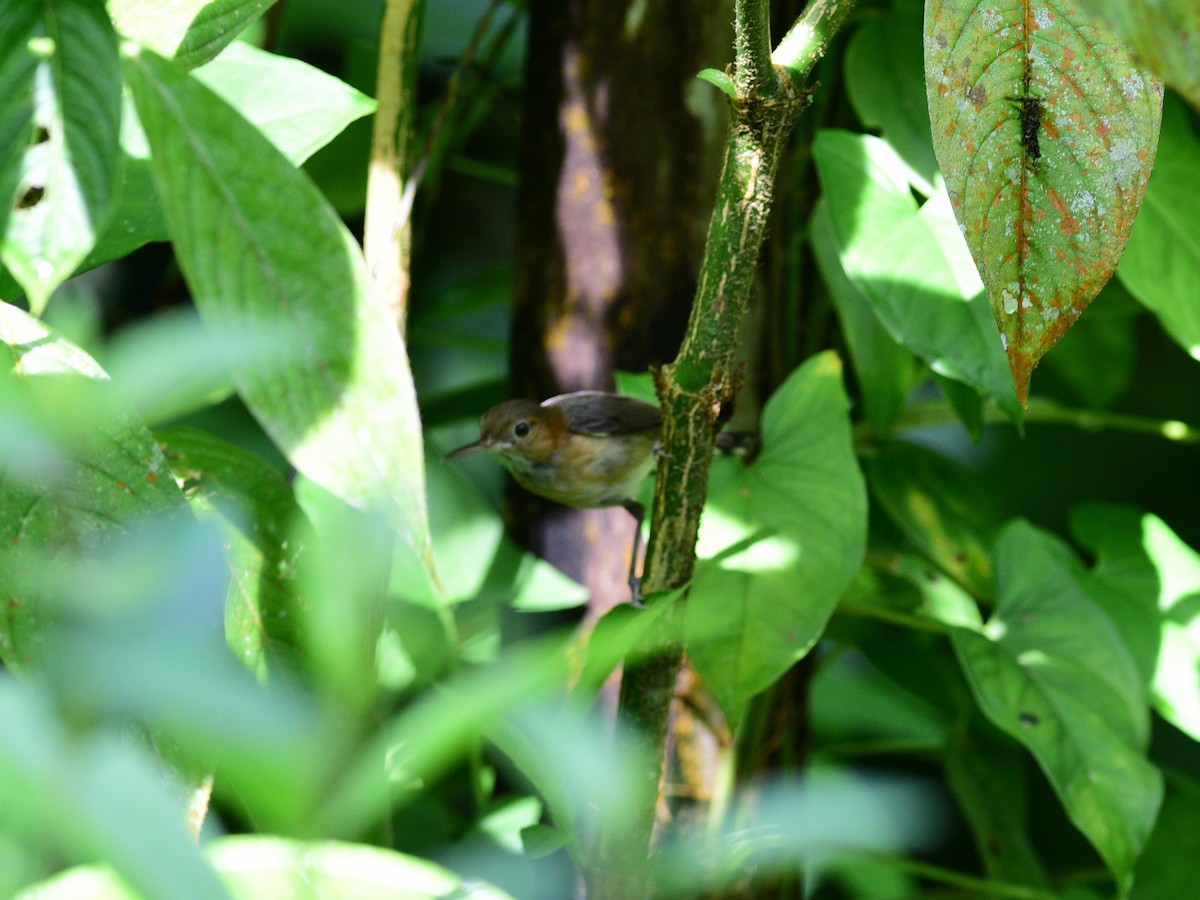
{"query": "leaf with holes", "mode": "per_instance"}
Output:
(1045, 129)
(1051, 670)
(68, 62)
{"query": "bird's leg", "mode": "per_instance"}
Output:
(638, 512)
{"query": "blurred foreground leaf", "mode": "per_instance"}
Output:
(75, 470)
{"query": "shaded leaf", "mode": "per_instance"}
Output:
(1167, 870)
(190, 31)
(1165, 35)
(914, 269)
(67, 60)
(259, 518)
(258, 244)
(940, 507)
(1161, 266)
(780, 540)
(1045, 130)
(884, 75)
(1050, 670)
(987, 774)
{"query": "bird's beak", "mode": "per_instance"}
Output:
(481, 444)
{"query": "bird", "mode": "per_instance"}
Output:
(587, 449)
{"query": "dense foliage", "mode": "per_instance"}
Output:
(939, 641)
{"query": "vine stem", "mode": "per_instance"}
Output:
(696, 387)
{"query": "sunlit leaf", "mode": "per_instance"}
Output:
(1045, 130)
(913, 268)
(1051, 670)
(1148, 581)
(66, 58)
(886, 369)
(297, 106)
(257, 243)
(190, 31)
(17, 71)
(780, 540)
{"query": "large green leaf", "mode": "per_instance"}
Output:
(259, 245)
(1045, 130)
(1161, 266)
(1051, 670)
(74, 470)
(780, 539)
(67, 59)
(1165, 34)
(1148, 581)
(190, 31)
(910, 262)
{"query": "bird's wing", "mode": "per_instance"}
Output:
(598, 412)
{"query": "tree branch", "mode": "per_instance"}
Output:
(703, 379)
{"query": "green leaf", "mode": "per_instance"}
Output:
(1161, 266)
(910, 263)
(259, 518)
(254, 867)
(886, 370)
(298, 107)
(986, 772)
(884, 78)
(18, 68)
(942, 508)
(73, 468)
(190, 31)
(1148, 581)
(1050, 670)
(67, 59)
(258, 244)
(1109, 332)
(1165, 35)
(96, 796)
(262, 866)
(720, 81)
(481, 562)
(780, 539)
(1167, 870)
(1045, 130)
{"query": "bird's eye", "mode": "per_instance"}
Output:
(521, 429)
